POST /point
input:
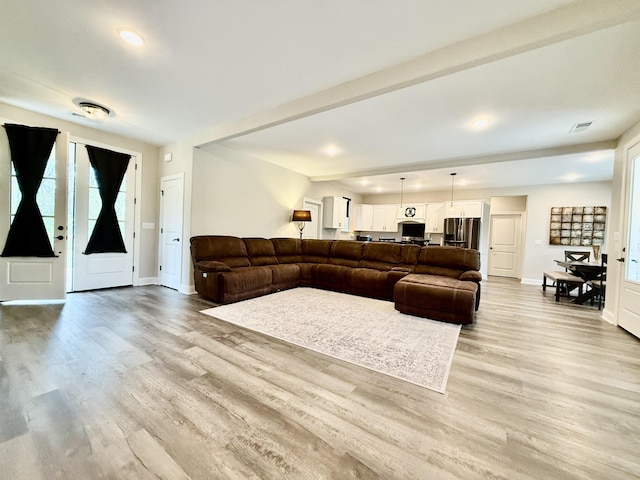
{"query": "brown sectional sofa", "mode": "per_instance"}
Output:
(441, 283)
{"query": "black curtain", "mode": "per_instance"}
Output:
(110, 168)
(30, 150)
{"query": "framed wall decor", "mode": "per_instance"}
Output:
(577, 226)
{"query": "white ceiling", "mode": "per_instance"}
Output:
(211, 63)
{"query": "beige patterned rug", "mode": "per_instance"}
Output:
(363, 331)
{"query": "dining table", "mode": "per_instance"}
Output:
(585, 270)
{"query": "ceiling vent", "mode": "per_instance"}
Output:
(580, 127)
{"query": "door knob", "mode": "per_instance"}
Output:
(176, 240)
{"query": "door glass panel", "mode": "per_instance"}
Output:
(95, 203)
(632, 270)
(45, 198)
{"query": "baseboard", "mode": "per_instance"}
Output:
(609, 316)
(531, 281)
(187, 289)
(147, 281)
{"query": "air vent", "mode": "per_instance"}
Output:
(580, 127)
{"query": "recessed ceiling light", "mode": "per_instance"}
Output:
(131, 37)
(480, 123)
(332, 150)
(595, 157)
(571, 177)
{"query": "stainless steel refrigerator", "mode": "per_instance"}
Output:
(462, 232)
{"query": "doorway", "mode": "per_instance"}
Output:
(98, 270)
(313, 229)
(35, 278)
(505, 246)
(171, 202)
(629, 317)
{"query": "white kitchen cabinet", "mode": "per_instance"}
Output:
(384, 218)
(362, 218)
(335, 212)
(414, 212)
(467, 209)
(434, 220)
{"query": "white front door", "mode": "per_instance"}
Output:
(630, 287)
(35, 278)
(101, 270)
(504, 247)
(171, 201)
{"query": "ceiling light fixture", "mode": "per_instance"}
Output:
(95, 111)
(331, 150)
(453, 175)
(480, 123)
(131, 37)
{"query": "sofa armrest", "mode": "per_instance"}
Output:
(471, 275)
(211, 266)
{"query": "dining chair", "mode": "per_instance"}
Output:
(599, 284)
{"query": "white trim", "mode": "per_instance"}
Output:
(531, 281)
(187, 289)
(609, 316)
(147, 281)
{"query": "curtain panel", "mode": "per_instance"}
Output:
(30, 149)
(110, 168)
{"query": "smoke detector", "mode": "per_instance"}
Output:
(580, 127)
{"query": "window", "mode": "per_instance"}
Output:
(45, 198)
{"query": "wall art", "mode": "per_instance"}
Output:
(577, 226)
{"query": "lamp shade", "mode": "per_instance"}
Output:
(301, 216)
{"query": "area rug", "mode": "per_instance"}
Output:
(359, 330)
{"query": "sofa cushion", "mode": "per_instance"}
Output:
(316, 251)
(346, 253)
(260, 251)
(385, 256)
(244, 283)
(225, 249)
(447, 261)
(288, 250)
(284, 276)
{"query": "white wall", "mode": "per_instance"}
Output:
(540, 199)
(232, 193)
(147, 198)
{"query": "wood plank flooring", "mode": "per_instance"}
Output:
(135, 383)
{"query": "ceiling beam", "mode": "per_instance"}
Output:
(570, 21)
(467, 161)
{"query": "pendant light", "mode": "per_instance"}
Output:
(402, 179)
(453, 175)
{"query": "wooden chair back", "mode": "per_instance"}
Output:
(576, 256)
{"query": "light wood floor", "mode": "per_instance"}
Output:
(134, 383)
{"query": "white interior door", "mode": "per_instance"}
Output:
(504, 247)
(312, 228)
(630, 286)
(172, 193)
(101, 270)
(34, 278)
